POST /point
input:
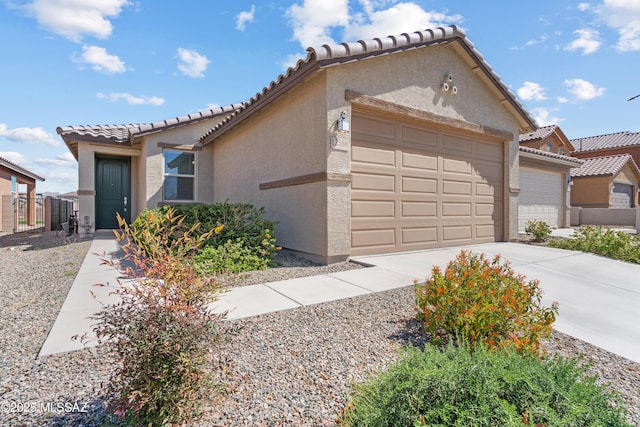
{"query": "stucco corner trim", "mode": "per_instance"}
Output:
(435, 119)
(306, 179)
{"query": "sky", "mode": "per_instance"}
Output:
(90, 62)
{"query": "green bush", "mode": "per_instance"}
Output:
(162, 333)
(484, 301)
(539, 229)
(603, 241)
(243, 239)
(464, 387)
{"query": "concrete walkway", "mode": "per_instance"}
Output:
(599, 298)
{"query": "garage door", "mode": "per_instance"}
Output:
(540, 197)
(415, 188)
(622, 195)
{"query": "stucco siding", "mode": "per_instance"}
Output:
(592, 192)
(286, 139)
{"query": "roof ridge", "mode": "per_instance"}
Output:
(624, 132)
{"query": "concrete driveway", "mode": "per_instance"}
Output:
(599, 297)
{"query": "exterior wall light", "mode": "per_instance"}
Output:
(343, 123)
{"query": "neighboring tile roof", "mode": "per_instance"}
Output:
(603, 142)
(538, 134)
(543, 153)
(328, 55)
(19, 169)
(124, 133)
(604, 166)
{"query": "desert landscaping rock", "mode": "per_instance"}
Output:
(289, 368)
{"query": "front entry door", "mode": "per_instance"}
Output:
(113, 190)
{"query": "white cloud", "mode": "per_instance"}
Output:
(583, 90)
(531, 91)
(314, 20)
(563, 99)
(15, 157)
(583, 7)
(74, 19)
(192, 63)
(543, 117)
(402, 17)
(100, 60)
(292, 60)
(29, 135)
(623, 16)
(587, 41)
(130, 99)
(244, 17)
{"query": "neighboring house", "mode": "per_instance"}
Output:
(606, 182)
(11, 176)
(545, 190)
(392, 144)
(544, 177)
(608, 145)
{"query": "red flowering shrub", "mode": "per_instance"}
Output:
(484, 301)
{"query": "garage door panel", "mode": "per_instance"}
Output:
(374, 127)
(419, 136)
(379, 238)
(419, 209)
(622, 195)
(456, 188)
(419, 185)
(450, 142)
(419, 235)
(448, 190)
(373, 156)
(456, 209)
(373, 208)
(420, 161)
(373, 182)
(457, 166)
(453, 232)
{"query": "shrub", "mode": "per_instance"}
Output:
(484, 301)
(243, 239)
(539, 229)
(464, 387)
(603, 241)
(162, 331)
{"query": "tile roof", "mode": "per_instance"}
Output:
(604, 166)
(548, 154)
(603, 142)
(126, 132)
(540, 133)
(19, 169)
(329, 55)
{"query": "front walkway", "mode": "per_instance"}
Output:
(599, 298)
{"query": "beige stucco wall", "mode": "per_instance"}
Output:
(413, 79)
(591, 192)
(284, 140)
(188, 135)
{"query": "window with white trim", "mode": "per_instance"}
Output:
(179, 175)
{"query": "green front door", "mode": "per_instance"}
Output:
(113, 190)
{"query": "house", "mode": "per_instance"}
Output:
(391, 144)
(11, 177)
(608, 145)
(545, 179)
(606, 182)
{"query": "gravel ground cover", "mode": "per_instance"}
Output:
(290, 368)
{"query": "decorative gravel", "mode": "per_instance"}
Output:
(290, 368)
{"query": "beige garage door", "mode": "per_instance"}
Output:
(540, 197)
(415, 188)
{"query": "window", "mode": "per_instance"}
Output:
(14, 184)
(179, 175)
(549, 147)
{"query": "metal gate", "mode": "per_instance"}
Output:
(28, 213)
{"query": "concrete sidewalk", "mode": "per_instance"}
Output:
(599, 298)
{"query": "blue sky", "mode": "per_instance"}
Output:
(89, 62)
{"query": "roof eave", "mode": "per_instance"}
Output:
(568, 162)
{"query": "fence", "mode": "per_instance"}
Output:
(28, 213)
(625, 217)
(20, 213)
(60, 210)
